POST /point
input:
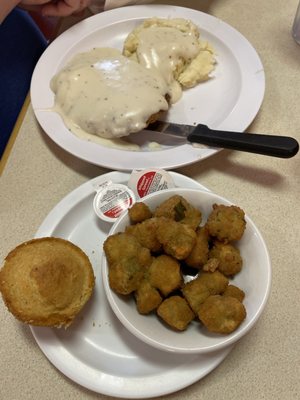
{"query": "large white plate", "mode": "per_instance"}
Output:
(229, 101)
(96, 351)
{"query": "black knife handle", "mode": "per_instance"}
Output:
(270, 145)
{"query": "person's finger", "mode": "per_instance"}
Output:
(83, 5)
(36, 8)
(61, 8)
(32, 3)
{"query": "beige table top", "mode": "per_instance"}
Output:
(37, 174)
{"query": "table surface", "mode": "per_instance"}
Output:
(37, 174)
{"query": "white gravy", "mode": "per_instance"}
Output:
(166, 45)
(103, 93)
(164, 49)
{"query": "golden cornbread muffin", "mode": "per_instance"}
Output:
(46, 281)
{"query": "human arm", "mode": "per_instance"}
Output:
(6, 6)
(55, 8)
(109, 4)
(63, 8)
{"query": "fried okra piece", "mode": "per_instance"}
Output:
(147, 298)
(230, 260)
(222, 314)
(145, 233)
(199, 254)
(125, 246)
(125, 276)
(177, 239)
(164, 274)
(226, 223)
(211, 265)
(179, 209)
(127, 262)
(234, 291)
(139, 212)
(214, 281)
(176, 312)
(195, 293)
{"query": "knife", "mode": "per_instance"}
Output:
(269, 145)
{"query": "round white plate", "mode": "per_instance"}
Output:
(96, 351)
(228, 101)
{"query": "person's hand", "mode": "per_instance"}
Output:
(63, 8)
(55, 8)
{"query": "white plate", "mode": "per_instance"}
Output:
(229, 101)
(96, 351)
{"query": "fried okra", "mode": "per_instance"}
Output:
(221, 314)
(179, 209)
(226, 223)
(195, 293)
(234, 291)
(214, 281)
(177, 239)
(139, 212)
(125, 246)
(125, 276)
(127, 262)
(161, 249)
(230, 260)
(147, 297)
(164, 274)
(211, 265)
(199, 254)
(176, 312)
(145, 233)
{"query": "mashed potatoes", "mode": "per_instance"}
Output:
(173, 47)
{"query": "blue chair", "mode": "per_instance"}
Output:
(21, 45)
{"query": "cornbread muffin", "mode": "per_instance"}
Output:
(46, 281)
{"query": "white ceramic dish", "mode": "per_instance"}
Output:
(97, 352)
(254, 279)
(229, 101)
